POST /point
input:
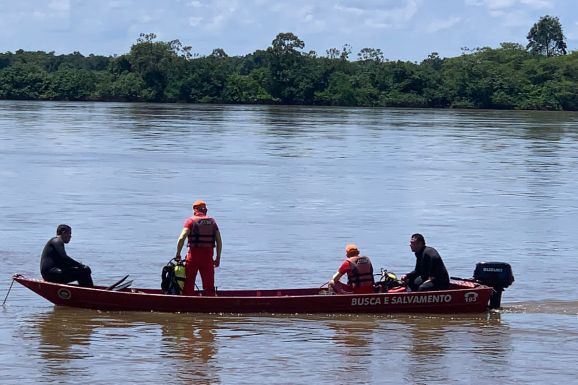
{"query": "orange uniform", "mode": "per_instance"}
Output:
(201, 239)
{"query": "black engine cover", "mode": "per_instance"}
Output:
(494, 274)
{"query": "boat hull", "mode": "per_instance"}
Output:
(462, 297)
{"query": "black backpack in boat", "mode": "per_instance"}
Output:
(172, 282)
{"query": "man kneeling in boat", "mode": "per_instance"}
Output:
(57, 266)
(359, 273)
(430, 273)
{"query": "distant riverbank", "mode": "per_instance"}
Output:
(508, 77)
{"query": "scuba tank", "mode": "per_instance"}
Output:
(387, 281)
(180, 276)
(173, 277)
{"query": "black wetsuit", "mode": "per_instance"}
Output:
(428, 265)
(57, 266)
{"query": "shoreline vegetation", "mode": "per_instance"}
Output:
(540, 76)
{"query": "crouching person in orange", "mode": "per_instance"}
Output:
(203, 235)
(359, 273)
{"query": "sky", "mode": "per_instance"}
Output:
(402, 29)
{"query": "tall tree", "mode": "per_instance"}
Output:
(157, 62)
(286, 43)
(546, 37)
(286, 67)
(370, 54)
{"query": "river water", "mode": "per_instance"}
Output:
(289, 187)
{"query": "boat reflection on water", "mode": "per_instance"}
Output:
(356, 339)
(191, 340)
(87, 346)
(410, 348)
(61, 337)
(441, 349)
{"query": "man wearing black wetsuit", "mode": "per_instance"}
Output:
(57, 266)
(430, 272)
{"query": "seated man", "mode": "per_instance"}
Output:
(430, 272)
(359, 273)
(57, 266)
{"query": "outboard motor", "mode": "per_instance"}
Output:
(497, 275)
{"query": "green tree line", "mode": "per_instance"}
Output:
(540, 76)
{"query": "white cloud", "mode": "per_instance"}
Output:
(493, 5)
(537, 3)
(512, 14)
(514, 18)
(439, 25)
(572, 32)
(117, 4)
(214, 15)
(403, 29)
(59, 5)
(380, 15)
(39, 15)
(217, 22)
(499, 4)
(145, 19)
(195, 21)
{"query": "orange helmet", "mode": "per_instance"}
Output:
(199, 203)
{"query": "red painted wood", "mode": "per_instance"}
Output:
(462, 297)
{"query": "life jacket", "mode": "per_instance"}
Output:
(173, 278)
(202, 232)
(361, 272)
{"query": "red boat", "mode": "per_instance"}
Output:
(463, 296)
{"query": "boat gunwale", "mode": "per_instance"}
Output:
(158, 293)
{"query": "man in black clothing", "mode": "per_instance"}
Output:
(57, 266)
(430, 272)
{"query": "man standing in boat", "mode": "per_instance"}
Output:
(430, 273)
(203, 235)
(57, 266)
(359, 273)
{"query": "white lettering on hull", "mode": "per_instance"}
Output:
(366, 301)
(433, 298)
(401, 300)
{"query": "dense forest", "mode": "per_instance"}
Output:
(540, 76)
